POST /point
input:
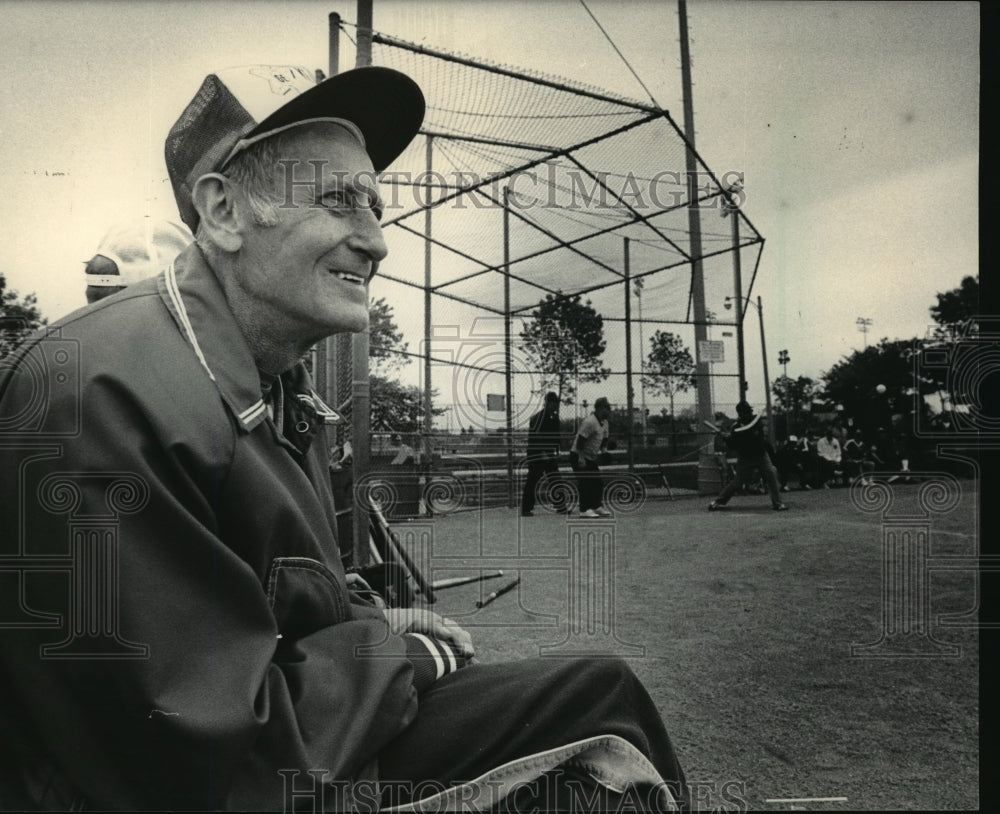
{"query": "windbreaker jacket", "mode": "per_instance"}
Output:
(543, 434)
(175, 628)
(747, 439)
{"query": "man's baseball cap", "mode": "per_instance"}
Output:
(239, 106)
(140, 248)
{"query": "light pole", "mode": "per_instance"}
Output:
(864, 323)
(730, 206)
(637, 285)
(763, 350)
(784, 359)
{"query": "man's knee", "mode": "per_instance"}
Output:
(604, 677)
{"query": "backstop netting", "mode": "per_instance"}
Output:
(522, 187)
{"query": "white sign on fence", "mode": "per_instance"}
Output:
(712, 350)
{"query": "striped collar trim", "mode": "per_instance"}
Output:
(742, 427)
(252, 415)
(249, 417)
(174, 292)
(312, 401)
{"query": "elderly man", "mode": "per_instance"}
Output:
(178, 630)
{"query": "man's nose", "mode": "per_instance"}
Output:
(366, 236)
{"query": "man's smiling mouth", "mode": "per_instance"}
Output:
(349, 277)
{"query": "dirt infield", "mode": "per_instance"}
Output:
(752, 630)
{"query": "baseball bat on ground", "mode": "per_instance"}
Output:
(451, 582)
(482, 603)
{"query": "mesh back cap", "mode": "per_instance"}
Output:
(253, 101)
(140, 248)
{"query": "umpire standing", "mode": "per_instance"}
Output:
(543, 452)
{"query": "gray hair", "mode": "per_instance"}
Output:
(254, 170)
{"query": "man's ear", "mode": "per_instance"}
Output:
(214, 197)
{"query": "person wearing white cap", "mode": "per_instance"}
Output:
(131, 251)
(203, 650)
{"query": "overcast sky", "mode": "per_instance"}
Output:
(855, 125)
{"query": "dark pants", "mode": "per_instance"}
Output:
(482, 716)
(856, 468)
(538, 468)
(827, 470)
(745, 470)
(590, 484)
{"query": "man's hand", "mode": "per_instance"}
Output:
(419, 620)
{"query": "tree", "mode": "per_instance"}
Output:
(398, 407)
(565, 342)
(386, 348)
(394, 406)
(955, 315)
(792, 395)
(669, 366)
(18, 318)
(854, 380)
(956, 307)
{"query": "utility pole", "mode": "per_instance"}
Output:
(637, 285)
(629, 389)
(767, 380)
(738, 286)
(360, 383)
(707, 481)
(326, 350)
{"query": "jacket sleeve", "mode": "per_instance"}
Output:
(198, 700)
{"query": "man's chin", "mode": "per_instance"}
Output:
(346, 324)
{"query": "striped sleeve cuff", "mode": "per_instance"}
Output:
(431, 659)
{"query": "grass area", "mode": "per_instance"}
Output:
(741, 623)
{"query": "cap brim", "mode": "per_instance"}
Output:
(386, 105)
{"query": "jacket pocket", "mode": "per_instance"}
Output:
(304, 595)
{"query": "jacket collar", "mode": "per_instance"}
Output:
(192, 293)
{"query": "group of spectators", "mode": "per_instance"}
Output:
(835, 457)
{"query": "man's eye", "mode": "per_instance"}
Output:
(336, 200)
(366, 200)
(346, 200)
